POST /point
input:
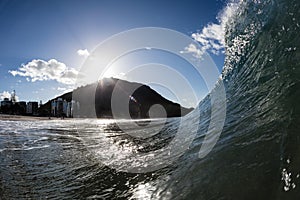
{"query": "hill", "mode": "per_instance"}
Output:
(129, 100)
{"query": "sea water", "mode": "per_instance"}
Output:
(256, 156)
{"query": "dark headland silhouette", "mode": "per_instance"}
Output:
(95, 101)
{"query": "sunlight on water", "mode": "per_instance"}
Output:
(143, 191)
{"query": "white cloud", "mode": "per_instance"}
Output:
(6, 94)
(192, 48)
(61, 89)
(40, 70)
(83, 52)
(64, 89)
(212, 36)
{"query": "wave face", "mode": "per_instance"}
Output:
(256, 157)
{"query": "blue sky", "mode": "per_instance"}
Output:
(60, 34)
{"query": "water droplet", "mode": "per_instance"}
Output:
(287, 180)
(289, 49)
(286, 188)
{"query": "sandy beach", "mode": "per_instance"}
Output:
(23, 118)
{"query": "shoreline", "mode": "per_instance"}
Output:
(7, 117)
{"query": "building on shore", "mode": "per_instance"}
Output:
(32, 108)
(10, 106)
(6, 106)
(14, 107)
(58, 107)
(61, 108)
(20, 108)
(70, 107)
(6, 102)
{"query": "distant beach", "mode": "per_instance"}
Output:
(23, 118)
